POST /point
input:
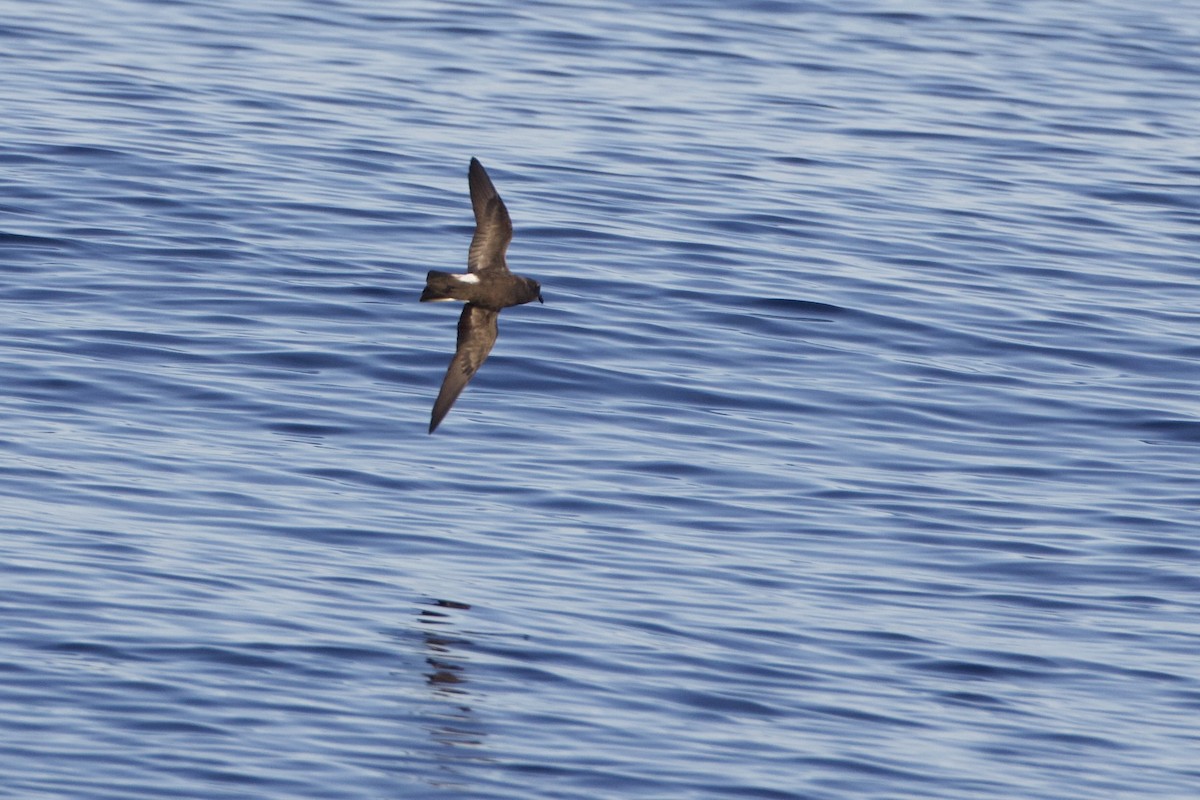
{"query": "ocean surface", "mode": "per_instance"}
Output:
(854, 454)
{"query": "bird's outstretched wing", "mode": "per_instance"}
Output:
(493, 228)
(476, 335)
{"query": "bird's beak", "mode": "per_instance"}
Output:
(540, 300)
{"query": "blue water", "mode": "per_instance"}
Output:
(855, 452)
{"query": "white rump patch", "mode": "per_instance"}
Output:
(470, 277)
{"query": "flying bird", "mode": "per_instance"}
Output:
(486, 288)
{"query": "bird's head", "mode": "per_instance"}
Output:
(533, 290)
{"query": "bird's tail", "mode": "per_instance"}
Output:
(440, 286)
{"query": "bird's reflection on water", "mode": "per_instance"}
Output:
(447, 656)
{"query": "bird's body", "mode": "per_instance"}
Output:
(486, 288)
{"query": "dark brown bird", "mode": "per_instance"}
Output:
(486, 288)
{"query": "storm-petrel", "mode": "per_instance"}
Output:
(487, 288)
